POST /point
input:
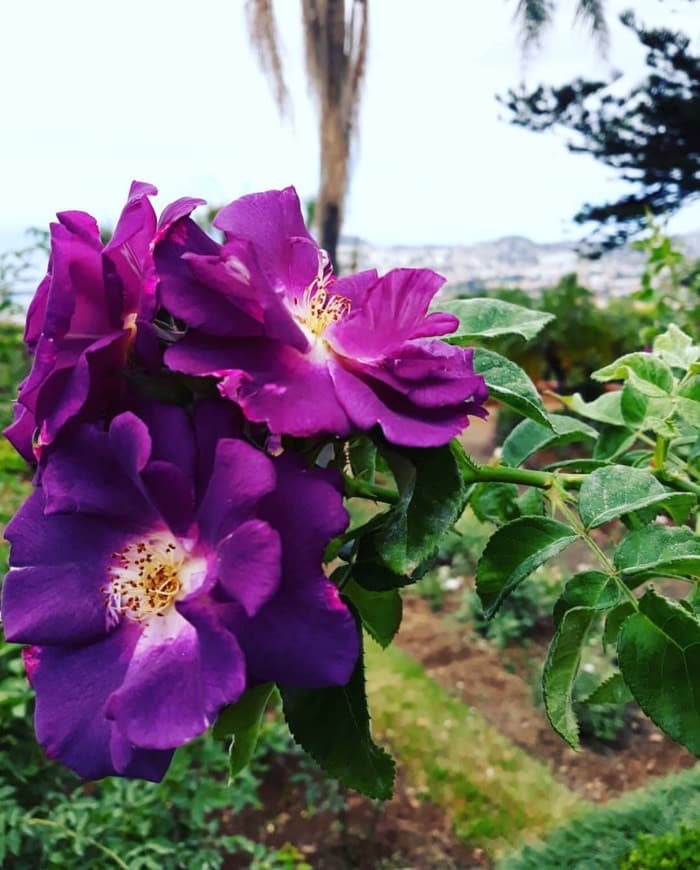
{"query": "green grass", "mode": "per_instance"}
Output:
(494, 793)
(603, 837)
(14, 488)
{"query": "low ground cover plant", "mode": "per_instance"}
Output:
(659, 823)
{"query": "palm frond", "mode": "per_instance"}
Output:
(357, 51)
(534, 17)
(264, 36)
(592, 12)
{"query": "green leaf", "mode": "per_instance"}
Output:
(528, 437)
(614, 690)
(489, 318)
(648, 374)
(333, 726)
(610, 492)
(605, 409)
(646, 412)
(380, 612)
(561, 669)
(515, 551)
(531, 502)
(495, 502)
(508, 383)
(613, 622)
(363, 458)
(688, 402)
(658, 551)
(659, 653)
(372, 575)
(612, 441)
(241, 721)
(591, 589)
(431, 498)
(633, 405)
(676, 348)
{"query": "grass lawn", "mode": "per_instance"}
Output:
(495, 794)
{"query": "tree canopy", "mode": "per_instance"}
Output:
(650, 135)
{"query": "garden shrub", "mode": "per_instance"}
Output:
(677, 850)
(602, 838)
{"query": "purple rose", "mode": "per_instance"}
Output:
(305, 352)
(161, 567)
(84, 320)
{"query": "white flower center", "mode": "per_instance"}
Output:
(147, 577)
(317, 308)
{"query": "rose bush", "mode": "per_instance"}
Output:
(196, 412)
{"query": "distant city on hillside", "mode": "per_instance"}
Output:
(513, 261)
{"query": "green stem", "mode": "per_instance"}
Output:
(524, 476)
(660, 453)
(558, 499)
(356, 488)
(47, 823)
(678, 482)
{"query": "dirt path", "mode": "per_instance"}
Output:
(474, 670)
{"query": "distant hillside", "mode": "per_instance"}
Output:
(513, 261)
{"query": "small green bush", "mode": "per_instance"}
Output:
(49, 818)
(601, 839)
(678, 850)
(14, 365)
(520, 612)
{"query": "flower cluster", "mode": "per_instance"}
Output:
(171, 553)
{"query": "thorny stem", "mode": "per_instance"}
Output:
(356, 488)
(525, 476)
(48, 823)
(558, 498)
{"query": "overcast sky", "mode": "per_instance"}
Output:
(168, 91)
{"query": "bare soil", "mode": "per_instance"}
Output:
(498, 683)
(402, 833)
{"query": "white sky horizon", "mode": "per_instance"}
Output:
(172, 94)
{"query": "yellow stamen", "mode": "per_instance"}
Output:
(318, 309)
(144, 579)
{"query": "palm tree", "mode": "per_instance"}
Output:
(535, 15)
(335, 37)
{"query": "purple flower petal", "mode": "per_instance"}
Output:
(39, 539)
(54, 594)
(128, 251)
(241, 475)
(370, 404)
(69, 610)
(176, 684)
(72, 687)
(82, 324)
(20, 433)
(96, 472)
(429, 373)
(304, 636)
(273, 383)
(248, 564)
(272, 221)
(393, 311)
